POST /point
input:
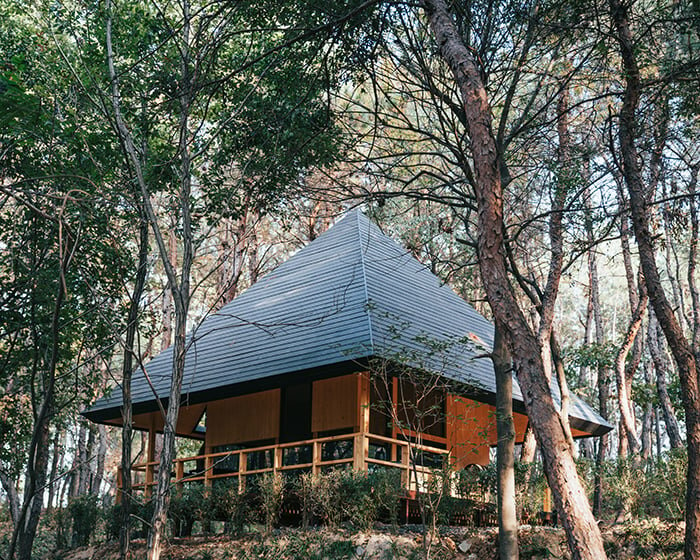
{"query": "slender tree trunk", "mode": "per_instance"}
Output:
(647, 421)
(682, 352)
(692, 259)
(602, 380)
(626, 411)
(167, 308)
(505, 451)
(86, 462)
(99, 460)
(179, 286)
(55, 462)
(181, 297)
(583, 535)
(78, 457)
(253, 248)
(8, 485)
(654, 341)
(127, 368)
(25, 529)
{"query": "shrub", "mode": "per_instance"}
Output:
(303, 488)
(325, 498)
(226, 504)
(355, 494)
(271, 488)
(387, 491)
(85, 513)
(113, 521)
(663, 493)
(187, 506)
(63, 520)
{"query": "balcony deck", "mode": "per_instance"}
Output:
(361, 451)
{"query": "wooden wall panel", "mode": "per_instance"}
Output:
(186, 421)
(519, 423)
(251, 417)
(335, 403)
(469, 427)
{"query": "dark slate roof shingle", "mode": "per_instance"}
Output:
(351, 294)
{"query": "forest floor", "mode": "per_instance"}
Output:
(640, 539)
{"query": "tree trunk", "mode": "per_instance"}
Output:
(181, 296)
(8, 485)
(692, 258)
(179, 286)
(167, 308)
(654, 341)
(602, 381)
(86, 462)
(682, 352)
(34, 481)
(78, 458)
(505, 451)
(55, 462)
(647, 421)
(583, 535)
(626, 410)
(100, 460)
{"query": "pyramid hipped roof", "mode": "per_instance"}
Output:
(350, 295)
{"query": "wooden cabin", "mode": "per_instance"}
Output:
(315, 366)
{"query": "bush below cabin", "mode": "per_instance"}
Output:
(341, 512)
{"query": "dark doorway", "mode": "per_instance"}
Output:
(295, 415)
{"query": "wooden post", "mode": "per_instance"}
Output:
(315, 458)
(179, 474)
(363, 402)
(150, 458)
(406, 467)
(242, 467)
(208, 466)
(360, 449)
(277, 459)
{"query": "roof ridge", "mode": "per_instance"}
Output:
(358, 213)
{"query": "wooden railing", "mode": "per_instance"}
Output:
(361, 450)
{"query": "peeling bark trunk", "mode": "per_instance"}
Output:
(582, 531)
(682, 352)
(505, 451)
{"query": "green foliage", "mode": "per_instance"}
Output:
(85, 513)
(592, 355)
(226, 504)
(187, 506)
(387, 491)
